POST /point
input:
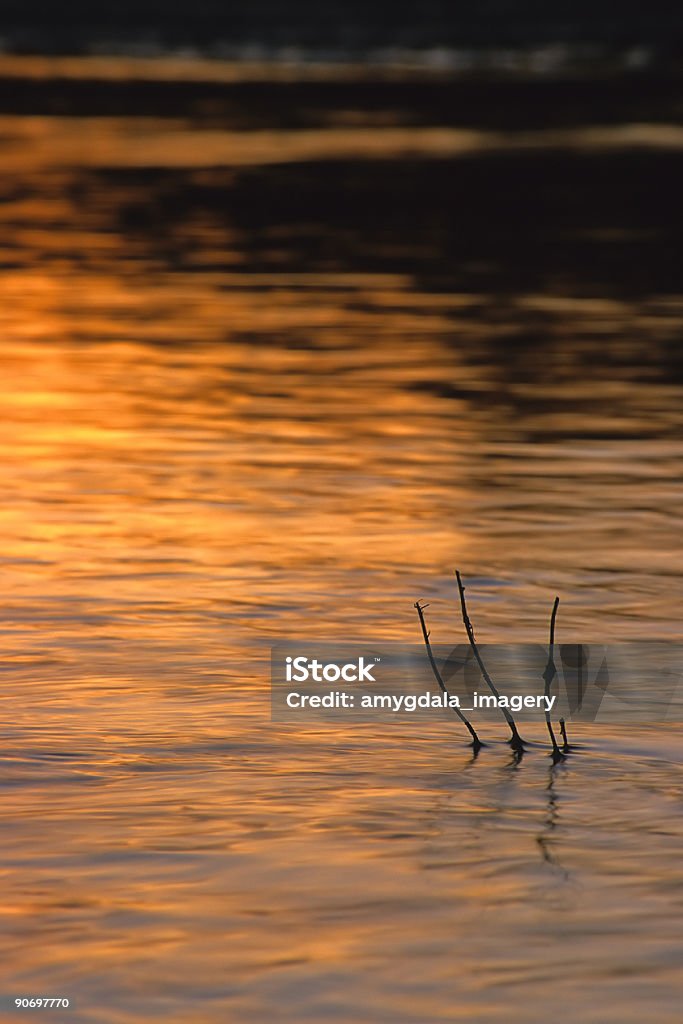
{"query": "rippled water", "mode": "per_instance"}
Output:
(280, 383)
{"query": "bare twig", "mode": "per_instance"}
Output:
(476, 742)
(548, 675)
(565, 742)
(516, 741)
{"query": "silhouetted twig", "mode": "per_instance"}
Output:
(565, 742)
(548, 675)
(476, 742)
(516, 741)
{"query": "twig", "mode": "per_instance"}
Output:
(548, 675)
(476, 742)
(516, 741)
(565, 742)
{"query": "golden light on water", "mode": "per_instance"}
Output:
(241, 401)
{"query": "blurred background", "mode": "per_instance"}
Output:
(352, 28)
(301, 307)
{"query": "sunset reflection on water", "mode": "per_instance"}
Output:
(227, 419)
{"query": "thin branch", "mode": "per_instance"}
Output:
(476, 742)
(516, 740)
(548, 675)
(565, 742)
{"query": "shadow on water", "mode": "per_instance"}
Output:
(607, 224)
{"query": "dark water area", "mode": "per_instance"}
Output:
(251, 97)
(277, 355)
(566, 185)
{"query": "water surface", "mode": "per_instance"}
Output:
(280, 383)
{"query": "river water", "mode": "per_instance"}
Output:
(276, 357)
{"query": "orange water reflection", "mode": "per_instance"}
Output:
(328, 483)
(222, 425)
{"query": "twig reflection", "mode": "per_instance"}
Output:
(544, 839)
